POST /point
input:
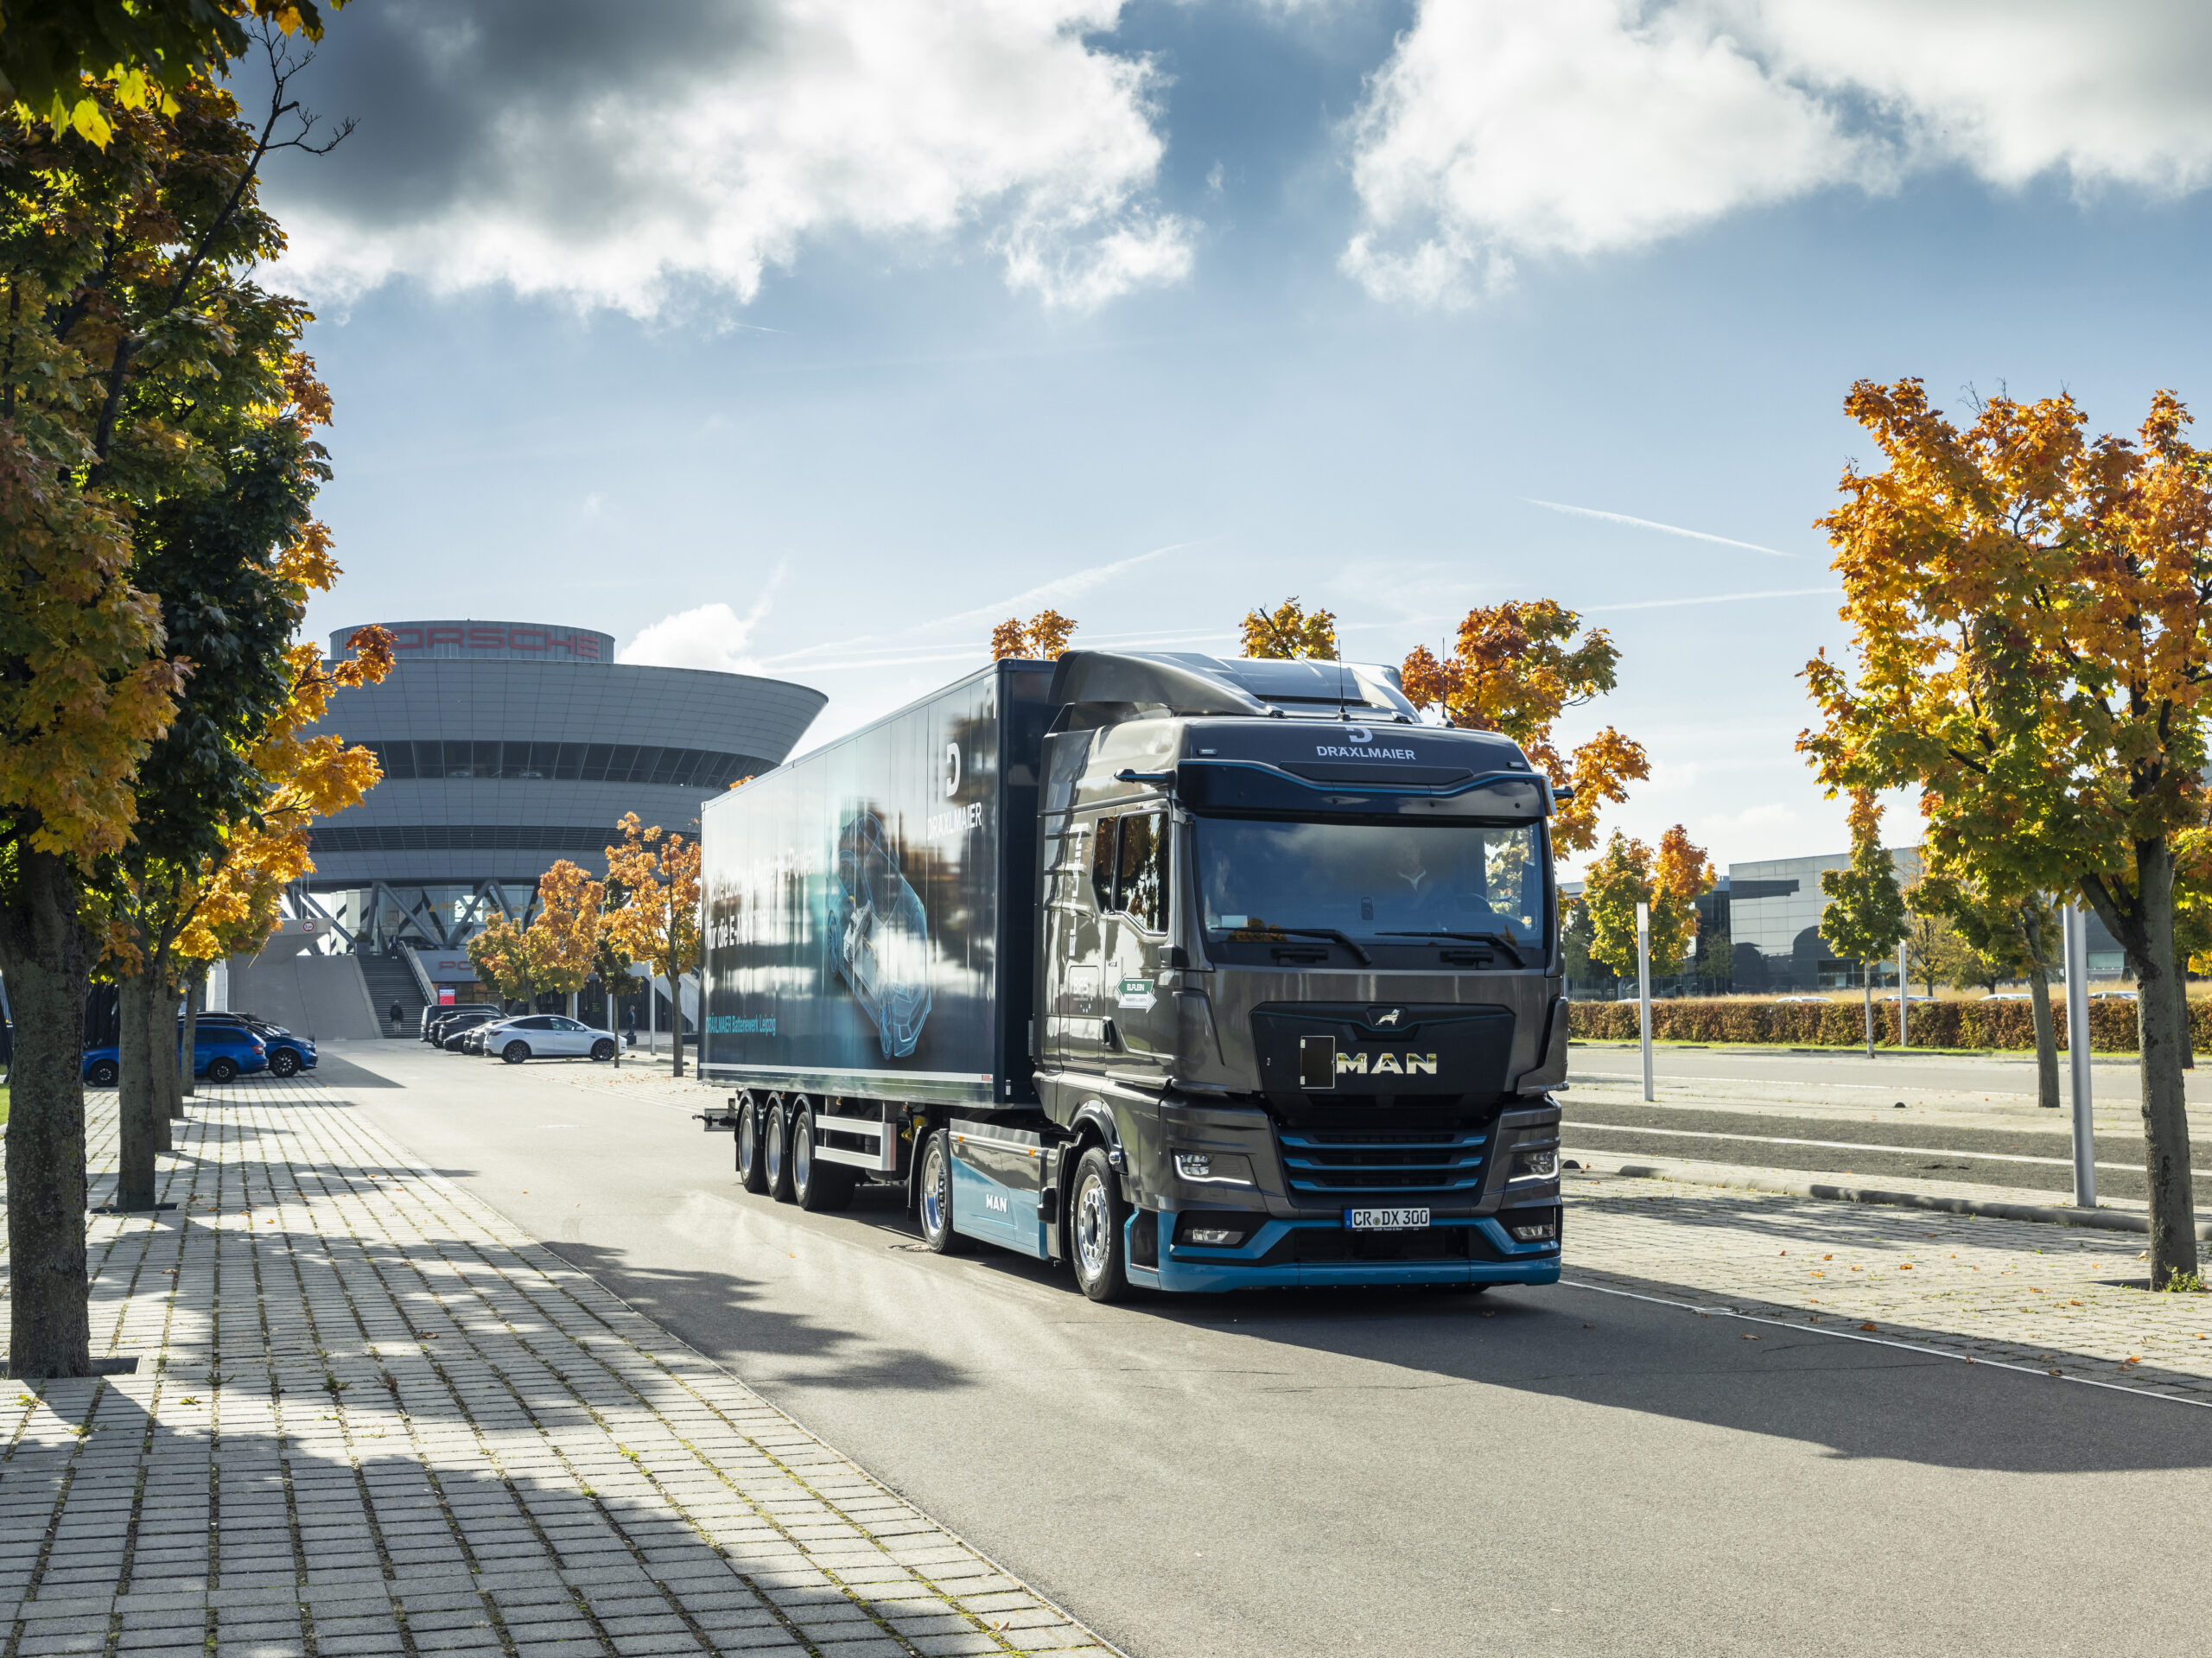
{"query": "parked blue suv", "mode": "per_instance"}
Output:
(289, 1055)
(223, 1054)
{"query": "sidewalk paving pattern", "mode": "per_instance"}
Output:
(370, 1415)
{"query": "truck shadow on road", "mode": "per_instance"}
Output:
(724, 1311)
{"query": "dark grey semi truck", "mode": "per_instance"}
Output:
(1195, 974)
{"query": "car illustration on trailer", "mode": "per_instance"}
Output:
(881, 935)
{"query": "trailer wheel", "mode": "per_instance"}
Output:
(935, 1208)
(1098, 1222)
(751, 1168)
(776, 1154)
(819, 1187)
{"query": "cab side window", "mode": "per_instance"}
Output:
(1141, 887)
(1102, 863)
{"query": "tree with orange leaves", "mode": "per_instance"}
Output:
(659, 922)
(143, 369)
(2032, 622)
(1516, 668)
(1043, 638)
(1670, 879)
(1291, 632)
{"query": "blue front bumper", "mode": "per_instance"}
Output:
(1182, 1267)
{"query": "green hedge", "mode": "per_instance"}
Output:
(1843, 1024)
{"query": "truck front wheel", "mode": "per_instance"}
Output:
(751, 1167)
(776, 1154)
(934, 1209)
(1101, 1223)
(818, 1187)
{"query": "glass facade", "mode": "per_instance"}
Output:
(675, 768)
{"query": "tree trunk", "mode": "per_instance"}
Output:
(1867, 974)
(2039, 1004)
(676, 1021)
(42, 952)
(2181, 1001)
(138, 1098)
(193, 995)
(2150, 945)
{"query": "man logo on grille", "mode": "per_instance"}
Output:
(1387, 1065)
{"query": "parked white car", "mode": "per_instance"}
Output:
(546, 1036)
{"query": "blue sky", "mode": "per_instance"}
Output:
(782, 337)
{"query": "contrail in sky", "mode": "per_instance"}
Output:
(1712, 598)
(1663, 529)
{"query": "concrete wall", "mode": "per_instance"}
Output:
(317, 996)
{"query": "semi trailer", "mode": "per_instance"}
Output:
(1194, 974)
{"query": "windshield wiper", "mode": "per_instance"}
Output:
(1504, 941)
(1347, 940)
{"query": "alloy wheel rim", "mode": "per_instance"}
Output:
(933, 1195)
(1094, 1222)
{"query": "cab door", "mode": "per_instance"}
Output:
(1141, 901)
(1075, 1008)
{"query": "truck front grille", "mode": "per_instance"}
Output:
(1324, 1166)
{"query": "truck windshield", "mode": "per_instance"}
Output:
(1368, 880)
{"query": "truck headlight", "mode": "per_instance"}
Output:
(1214, 1168)
(1536, 1164)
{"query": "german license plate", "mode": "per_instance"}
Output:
(1385, 1219)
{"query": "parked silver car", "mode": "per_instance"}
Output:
(544, 1036)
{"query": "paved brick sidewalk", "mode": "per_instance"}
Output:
(373, 1416)
(2046, 1297)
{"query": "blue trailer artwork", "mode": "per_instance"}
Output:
(882, 935)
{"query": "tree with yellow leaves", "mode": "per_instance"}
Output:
(1043, 638)
(2031, 646)
(1670, 879)
(659, 922)
(1516, 668)
(1290, 632)
(141, 363)
(553, 952)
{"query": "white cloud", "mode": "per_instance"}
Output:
(692, 145)
(713, 637)
(1498, 130)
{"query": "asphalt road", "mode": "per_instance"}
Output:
(1384, 1472)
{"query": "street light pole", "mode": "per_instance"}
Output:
(1644, 986)
(1904, 1001)
(2077, 1057)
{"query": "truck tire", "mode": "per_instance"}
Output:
(933, 1206)
(222, 1069)
(751, 1167)
(818, 1187)
(1097, 1225)
(776, 1150)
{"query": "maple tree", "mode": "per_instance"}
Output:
(1669, 878)
(1863, 920)
(57, 58)
(1290, 632)
(1516, 667)
(131, 331)
(659, 922)
(1043, 637)
(2031, 621)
